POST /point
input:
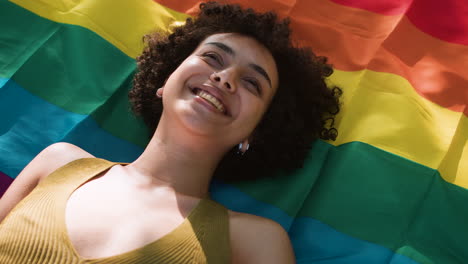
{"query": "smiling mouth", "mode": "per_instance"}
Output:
(215, 102)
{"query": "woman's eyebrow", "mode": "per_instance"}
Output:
(231, 52)
(224, 47)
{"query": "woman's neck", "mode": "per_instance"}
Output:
(175, 161)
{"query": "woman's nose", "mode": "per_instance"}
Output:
(223, 79)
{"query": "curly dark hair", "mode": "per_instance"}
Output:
(302, 110)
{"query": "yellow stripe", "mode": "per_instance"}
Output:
(383, 109)
(380, 109)
(121, 22)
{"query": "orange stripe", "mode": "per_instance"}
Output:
(436, 69)
(365, 40)
(392, 44)
(387, 7)
(350, 37)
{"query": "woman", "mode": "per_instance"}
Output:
(240, 101)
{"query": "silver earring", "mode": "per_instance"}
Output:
(240, 150)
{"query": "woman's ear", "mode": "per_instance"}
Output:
(159, 92)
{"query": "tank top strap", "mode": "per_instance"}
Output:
(76, 172)
(210, 221)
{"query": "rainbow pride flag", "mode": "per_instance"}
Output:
(391, 189)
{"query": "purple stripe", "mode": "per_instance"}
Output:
(5, 181)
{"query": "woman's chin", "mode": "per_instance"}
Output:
(201, 121)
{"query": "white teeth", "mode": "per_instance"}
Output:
(213, 100)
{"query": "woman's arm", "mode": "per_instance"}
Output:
(259, 240)
(48, 160)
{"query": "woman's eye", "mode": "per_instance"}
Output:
(213, 56)
(255, 85)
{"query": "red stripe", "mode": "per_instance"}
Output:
(443, 19)
(5, 181)
(384, 7)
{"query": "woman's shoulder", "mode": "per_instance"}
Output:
(256, 239)
(55, 156)
(47, 161)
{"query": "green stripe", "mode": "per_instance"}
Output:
(22, 33)
(376, 196)
(70, 67)
(75, 69)
(116, 117)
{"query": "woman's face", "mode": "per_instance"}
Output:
(222, 89)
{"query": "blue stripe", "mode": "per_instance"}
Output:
(313, 241)
(316, 242)
(236, 200)
(3, 81)
(29, 124)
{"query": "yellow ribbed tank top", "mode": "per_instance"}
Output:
(35, 230)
